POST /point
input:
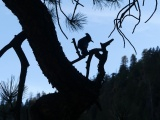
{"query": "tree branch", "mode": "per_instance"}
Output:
(13, 42)
(74, 43)
(82, 56)
(16, 44)
(58, 20)
(153, 11)
(23, 73)
(3, 50)
(88, 64)
(102, 58)
(75, 8)
(122, 14)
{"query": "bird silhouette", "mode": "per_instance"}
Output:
(83, 44)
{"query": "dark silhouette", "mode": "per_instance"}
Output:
(83, 44)
(16, 43)
(103, 57)
(75, 92)
(130, 94)
(75, 45)
(133, 92)
(96, 51)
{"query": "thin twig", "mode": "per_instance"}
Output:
(130, 16)
(117, 18)
(62, 11)
(83, 56)
(77, 2)
(74, 43)
(153, 11)
(58, 20)
(120, 32)
(129, 42)
(143, 2)
(139, 18)
(129, 7)
(113, 29)
(122, 14)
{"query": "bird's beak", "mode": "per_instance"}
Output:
(92, 41)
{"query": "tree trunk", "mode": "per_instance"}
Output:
(75, 92)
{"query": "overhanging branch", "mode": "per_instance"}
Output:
(126, 12)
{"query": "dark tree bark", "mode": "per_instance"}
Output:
(24, 65)
(75, 92)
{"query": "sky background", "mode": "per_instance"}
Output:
(99, 26)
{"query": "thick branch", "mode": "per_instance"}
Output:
(23, 73)
(48, 52)
(18, 39)
(88, 64)
(24, 66)
(78, 91)
(3, 50)
(16, 44)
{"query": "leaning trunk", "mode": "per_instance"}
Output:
(75, 92)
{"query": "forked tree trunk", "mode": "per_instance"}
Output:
(76, 92)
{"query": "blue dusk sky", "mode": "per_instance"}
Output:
(99, 25)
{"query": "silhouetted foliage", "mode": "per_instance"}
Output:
(39, 30)
(133, 93)
(8, 95)
(6, 113)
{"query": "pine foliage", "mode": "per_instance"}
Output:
(131, 94)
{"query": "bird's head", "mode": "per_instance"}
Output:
(89, 37)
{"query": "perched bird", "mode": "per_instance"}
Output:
(83, 44)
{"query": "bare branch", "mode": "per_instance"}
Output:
(77, 3)
(83, 56)
(153, 11)
(88, 62)
(4, 49)
(74, 43)
(122, 14)
(143, 2)
(128, 40)
(139, 18)
(12, 43)
(102, 58)
(78, 59)
(62, 10)
(58, 20)
(16, 44)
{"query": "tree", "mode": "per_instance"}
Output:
(9, 93)
(123, 67)
(137, 100)
(133, 60)
(124, 61)
(75, 92)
